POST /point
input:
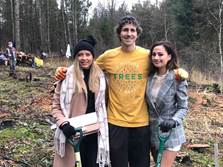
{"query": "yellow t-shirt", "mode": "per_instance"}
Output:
(127, 76)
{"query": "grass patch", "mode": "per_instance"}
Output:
(28, 141)
(200, 78)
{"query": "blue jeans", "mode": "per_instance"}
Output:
(12, 62)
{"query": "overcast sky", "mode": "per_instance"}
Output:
(118, 2)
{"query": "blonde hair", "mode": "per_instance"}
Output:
(94, 79)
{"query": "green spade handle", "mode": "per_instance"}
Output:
(162, 140)
(76, 146)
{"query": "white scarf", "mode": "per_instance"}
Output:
(66, 93)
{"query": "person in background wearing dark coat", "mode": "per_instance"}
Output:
(11, 54)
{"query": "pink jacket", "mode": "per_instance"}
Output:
(78, 107)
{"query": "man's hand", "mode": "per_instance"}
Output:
(167, 125)
(60, 73)
(181, 74)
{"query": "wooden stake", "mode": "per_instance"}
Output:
(216, 152)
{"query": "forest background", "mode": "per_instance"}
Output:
(194, 26)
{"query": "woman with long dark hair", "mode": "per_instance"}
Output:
(168, 101)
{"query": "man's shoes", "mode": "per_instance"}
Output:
(14, 76)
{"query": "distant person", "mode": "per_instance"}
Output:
(168, 101)
(11, 54)
(62, 54)
(81, 92)
(43, 54)
(3, 59)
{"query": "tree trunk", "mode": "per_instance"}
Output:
(17, 24)
(219, 40)
(40, 23)
(68, 24)
(218, 28)
(74, 19)
(165, 22)
(64, 24)
(42, 27)
(48, 27)
(12, 20)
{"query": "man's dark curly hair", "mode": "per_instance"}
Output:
(128, 20)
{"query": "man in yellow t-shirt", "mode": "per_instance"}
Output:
(127, 69)
(127, 73)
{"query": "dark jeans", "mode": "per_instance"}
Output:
(88, 150)
(129, 146)
(12, 65)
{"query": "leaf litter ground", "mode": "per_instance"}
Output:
(26, 137)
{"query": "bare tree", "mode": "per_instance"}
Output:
(74, 6)
(111, 6)
(68, 22)
(12, 19)
(42, 26)
(48, 26)
(17, 24)
(63, 22)
(165, 21)
(216, 23)
(40, 22)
